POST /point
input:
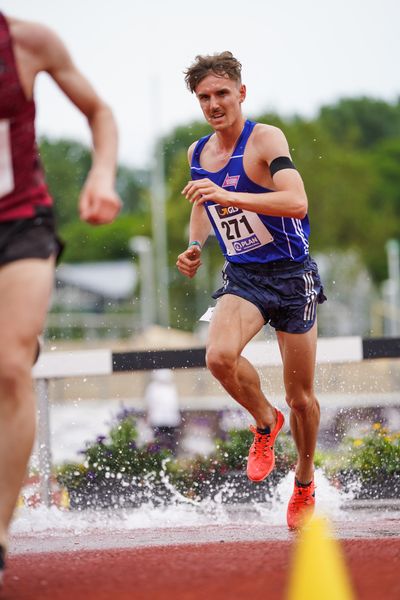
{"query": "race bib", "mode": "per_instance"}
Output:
(6, 167)
(241, 230)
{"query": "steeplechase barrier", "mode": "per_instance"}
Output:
(85, 363)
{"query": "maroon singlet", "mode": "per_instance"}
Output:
(22, 182)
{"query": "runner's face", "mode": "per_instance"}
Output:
(220, 100)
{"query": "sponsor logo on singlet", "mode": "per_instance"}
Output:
(226, 211)
(231, 181)
(246, 244)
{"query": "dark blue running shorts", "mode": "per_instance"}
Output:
(285, 292)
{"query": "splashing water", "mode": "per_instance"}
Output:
(180, 511)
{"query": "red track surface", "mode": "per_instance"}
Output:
(213, 571)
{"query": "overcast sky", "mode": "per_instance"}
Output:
(296, 56)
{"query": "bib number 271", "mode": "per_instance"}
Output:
(232, 228)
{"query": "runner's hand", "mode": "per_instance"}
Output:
(189, 261)
(202, 190)
(98, 204)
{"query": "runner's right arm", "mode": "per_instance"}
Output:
(199, 229)
(189, 261)
(99, 202)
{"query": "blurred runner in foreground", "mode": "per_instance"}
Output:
(29, 245)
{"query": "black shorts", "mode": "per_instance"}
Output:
(285, 292)
(30, 238)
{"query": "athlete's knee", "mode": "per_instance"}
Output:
(14, 370)
(220, 361)
(301, 400)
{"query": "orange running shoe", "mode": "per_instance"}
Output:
(301, 505)
(261, 458)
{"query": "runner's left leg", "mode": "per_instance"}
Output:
(298, 352)
(25, 288)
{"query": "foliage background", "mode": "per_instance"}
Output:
(348, 156)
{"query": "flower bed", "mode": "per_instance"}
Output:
(116, 472)
(369, 465)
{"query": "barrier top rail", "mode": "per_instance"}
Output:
(75, 363)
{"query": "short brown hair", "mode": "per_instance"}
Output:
(223, 63)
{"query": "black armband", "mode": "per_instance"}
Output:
(282, 162)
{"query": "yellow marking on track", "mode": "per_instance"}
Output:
(319, 571)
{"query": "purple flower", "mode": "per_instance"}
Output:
(127, 413)
(153, 448)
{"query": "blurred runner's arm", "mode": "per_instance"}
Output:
(99, 203)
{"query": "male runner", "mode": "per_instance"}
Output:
(28, 242)
(246, 187)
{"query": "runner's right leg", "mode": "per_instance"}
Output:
(234, 323)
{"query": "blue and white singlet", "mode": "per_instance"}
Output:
(245, 236)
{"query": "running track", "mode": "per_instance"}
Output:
(223, 564)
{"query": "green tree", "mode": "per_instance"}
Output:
(67, 163)
(86, 243)
(348, 156)
(361, 122)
